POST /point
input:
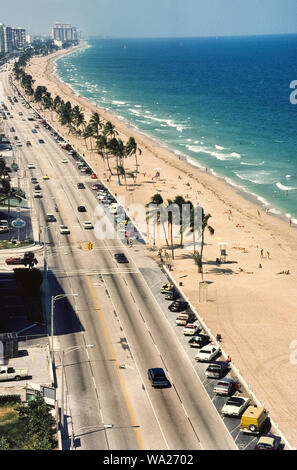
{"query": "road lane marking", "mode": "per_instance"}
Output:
(117, 368)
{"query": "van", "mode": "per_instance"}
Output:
(253, 419)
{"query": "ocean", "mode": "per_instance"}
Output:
(222, 103)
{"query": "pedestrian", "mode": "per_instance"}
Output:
(260, 266)
(228, 359)
(290, 222)
(268, 254)
(261, 255)
(159, 253)
(127, 241)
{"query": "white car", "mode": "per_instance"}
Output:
(37, 194)
(31, 165)
(114, 207)
(235, 406)
(19, 144)
(207, 353)
(64, 230)
(101, 196)
(64, 160)
(87, 224)
(190, 329)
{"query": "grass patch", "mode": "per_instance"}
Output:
(4, 244)
(11, 428)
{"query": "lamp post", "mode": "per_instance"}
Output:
(64, 352)
(53, 300)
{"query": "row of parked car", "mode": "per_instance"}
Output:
(253, 419)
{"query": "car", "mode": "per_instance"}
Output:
(13, 260)
(34, 180)
(178, 306)
(81, 209)
(113, 209)
(45, 177)
(31, 166)
(64, 230)
(4, 223)
(184, 318)
(101, 196)
(41, 141)
(36, 126)
(83, 169)
(207, 353)
(95, 187)
(166, 288)
(121, 258)
(37, 194)
(34, 131)
(87, 224)
(198, 341)
(28, 143)
(19, 144)
(80, 186)
(12, 129)
(172, 295)
(37, 187)
(16, 137)
(64, 160)
(269, 442)
(191, 329)
(235, 406)
(158, 378)
(50, 218)
(226, 386)
(4, 229)
(93, 176)
(217, 369)
(20, 113)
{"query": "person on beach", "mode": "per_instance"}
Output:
(260, 266)
(261, 254)
(268, 254)
(290, 222)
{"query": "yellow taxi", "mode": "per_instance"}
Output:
(45, 177)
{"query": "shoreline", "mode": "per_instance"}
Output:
(259, 201)
(254, 309)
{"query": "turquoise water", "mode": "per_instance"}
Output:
(223, 103)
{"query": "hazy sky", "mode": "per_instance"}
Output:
(155, 18)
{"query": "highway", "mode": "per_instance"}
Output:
(112, 403)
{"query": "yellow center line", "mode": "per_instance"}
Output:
(114, 360)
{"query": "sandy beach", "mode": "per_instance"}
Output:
(252, 307)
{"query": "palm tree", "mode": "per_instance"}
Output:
(157, 214)
(211, 230)
(95, 123)
(78, 118)
(101, 146)
(116, 148)
(109, 130)
(132, 149)
(180, 201)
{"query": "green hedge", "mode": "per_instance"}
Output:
(9, 399)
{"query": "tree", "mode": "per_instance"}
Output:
(157, 214)
(180, 201)
(132, 149)
(38, 423)
(205, 225)
(95, 124)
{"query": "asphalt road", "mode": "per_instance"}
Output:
(112, 403)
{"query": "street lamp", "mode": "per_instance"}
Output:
(54, 298)
(64, 352)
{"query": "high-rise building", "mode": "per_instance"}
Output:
(64, 32)
(18, 38)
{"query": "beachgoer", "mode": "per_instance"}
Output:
(268, 254)
(290, 222)
(261, 255)
(258, 212)
(159, 253)
(219, 337)
(260, 266)
(287, 272)
(228, 359)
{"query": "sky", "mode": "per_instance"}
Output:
(155, 18)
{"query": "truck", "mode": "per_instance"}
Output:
(10, 373)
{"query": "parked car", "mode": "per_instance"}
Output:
(235, 406)
(172, 295)
(28, 143)
(216, 369)
(166, 288)
(37, 194)
(34, 180)
(41, 141)
(37, 187)
(121, 258)
(93, 176)
(87, 224)
(226, 386)
(10, 373)
(185, 318)
(80, 186)
(31, 166)
(64, 230)
(158, 378)
(64, 160)
(207, 353)
(178, 306)
(198, 341)
(191, 329)
(34, 131)
(13, 260)
(113, 209)
(269, 442)
(45, 177)
(253, 419)
(81, 209)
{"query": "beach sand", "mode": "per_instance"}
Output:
(254, 309)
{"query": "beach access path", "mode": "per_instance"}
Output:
(252, 307)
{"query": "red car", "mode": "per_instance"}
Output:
(93, 176)
(14, 261)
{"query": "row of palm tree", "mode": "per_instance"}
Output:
(98, 136)
(165, 208)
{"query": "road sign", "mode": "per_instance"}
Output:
(18, 223)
